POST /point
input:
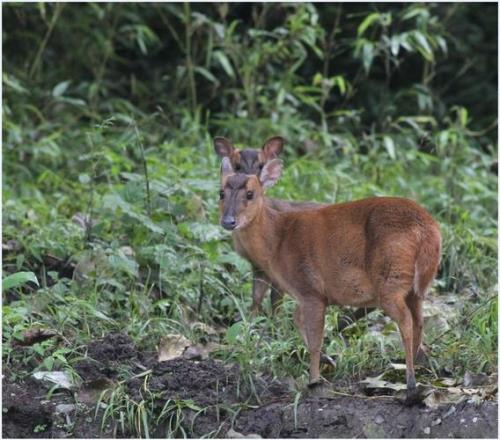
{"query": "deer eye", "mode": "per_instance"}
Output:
(261, 165)
(221, 194)
(249, 195)
(237, 167)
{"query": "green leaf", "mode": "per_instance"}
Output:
(205, 73)
(84, 178)
(191, 405)
(415, 12)
(442, 44)
(13, 83)
(463, 116)
(367, 22)
(122, 263)
(241, 265)
(389, 146)
(224, 62)
(395, 45)
(423, 45)
(339, 81)
(368, 55)
(233, 332)
(18, 279)
(60, 88)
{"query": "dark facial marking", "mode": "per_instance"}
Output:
(237, 181)
(249, 162)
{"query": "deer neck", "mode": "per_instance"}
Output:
(257, 241)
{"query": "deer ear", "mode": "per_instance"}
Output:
(223, 147)
(271, 173)
(226, 168)
(273, 147)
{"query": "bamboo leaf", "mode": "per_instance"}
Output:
(224, 62)
(367, 22)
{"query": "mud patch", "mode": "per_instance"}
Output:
(348, 417)
(210, 398)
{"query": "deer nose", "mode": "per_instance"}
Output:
(228, 222)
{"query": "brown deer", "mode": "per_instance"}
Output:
(374, 252)
(252, 161)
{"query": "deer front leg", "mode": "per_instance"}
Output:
(259, 289)
(310, 318)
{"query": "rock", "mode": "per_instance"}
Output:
(193, 353)
(65, 408)
(379, 419)
(372, 430)
(427, 430)
(474, 380)
(59, 378)
(452, 410)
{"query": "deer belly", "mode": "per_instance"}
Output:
(352, 287)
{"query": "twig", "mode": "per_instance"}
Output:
(189, 58)
(145, 168)
(87, 221)
(201, 289)
(58, 9)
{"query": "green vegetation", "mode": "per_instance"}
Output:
(110, 181)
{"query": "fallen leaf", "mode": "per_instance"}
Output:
(440, 397)
(398, 366)
(379, 383)
(234, 434)
(448, 381)
(445, 396)
(35, 335)
(91, 391)
(172, 346)
(59, 378)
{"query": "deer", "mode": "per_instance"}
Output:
(377, 252)
(252, 161)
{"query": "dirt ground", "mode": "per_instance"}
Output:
(217, 403)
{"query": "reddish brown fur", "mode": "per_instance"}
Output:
(380, 252)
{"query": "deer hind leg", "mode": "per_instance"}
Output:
(276, 297)
(415, 304)
(298, 318)
(394, 305)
